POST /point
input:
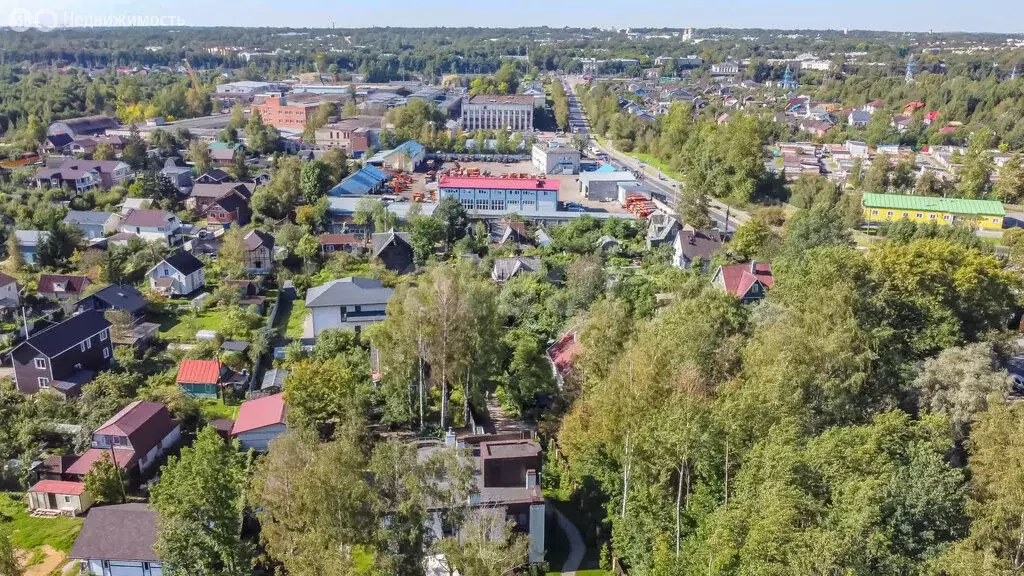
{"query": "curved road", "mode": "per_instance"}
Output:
(577, 549)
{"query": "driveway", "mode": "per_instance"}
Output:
(577, 549)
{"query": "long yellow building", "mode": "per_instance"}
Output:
(987, 214)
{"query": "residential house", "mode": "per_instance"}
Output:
(858, 149)
(29, 241)
(694, 248)
(355, 134)
(507, 472)
(64, 356)
(859, 118)
(506, 269)
(83, 175)
(57, 143)
(116, 297)
(203, 195)
(179, 176)
(58, 497)
(348, 304)
(260, 421)
(230, 209)
(874, 106)
(153, 225)
(330, 243)
(93, 224)
(984, 214)
(661, 229)
(512, 232)
(393, 250)
(10, 294)
(135, 439)
(179, 274)
(62, 287)
(118, 540)
(562, 355)
(901, 123)
(749, 282)
(215, 176)
(259, 252)
(200, 378)
(130, 204)
(931, 117)
(223, 153)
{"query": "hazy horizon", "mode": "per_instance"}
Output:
(913, 16)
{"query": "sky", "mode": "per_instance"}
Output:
(1004, 16)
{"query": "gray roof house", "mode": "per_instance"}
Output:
(118, 537)
(93, 224)
(661, 229)
(694, 248)
(508, 268)
(348, 304)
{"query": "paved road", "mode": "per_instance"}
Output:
(577, 549)
(725, 217)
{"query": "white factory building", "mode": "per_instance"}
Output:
(513, 195)
(555, 158)
(498, 112)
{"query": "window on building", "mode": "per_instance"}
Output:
(41, 363)
(105, 334)
(43, 382)
(106, 353)
(945, 217)
(889, 213)
(995, 220)
(874, 212)
(906, 214)
(88, 344)
(81, 346)
(919, 215)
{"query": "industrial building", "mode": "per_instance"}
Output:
(986, 214)
(405, 158)
(604, 185)
(556, 158)
(498, 112)
(512, 195)
(354, 135)
(246, 87)
(277, 112)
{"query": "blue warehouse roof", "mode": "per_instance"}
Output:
(361, 183)
(411, 149)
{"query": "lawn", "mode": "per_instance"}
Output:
(29, 533)
(183, 327)
(216, 409)
(296, 315)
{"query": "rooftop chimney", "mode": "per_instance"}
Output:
(753, 266)
(531, 478)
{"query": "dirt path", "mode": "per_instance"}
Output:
(54, 559)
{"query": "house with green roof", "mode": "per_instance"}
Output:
(985, 214)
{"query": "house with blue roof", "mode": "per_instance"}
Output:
(367, 180)
(405, 158)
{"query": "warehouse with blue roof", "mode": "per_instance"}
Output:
(368, 180)
(405, 158)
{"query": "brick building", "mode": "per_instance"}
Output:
(277, 112)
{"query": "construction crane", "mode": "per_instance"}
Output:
(192, 75)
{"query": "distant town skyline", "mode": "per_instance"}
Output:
(996, 16)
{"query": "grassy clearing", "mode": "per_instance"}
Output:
(29, 533)
(183, 327)
(216, 409)
(296, 316)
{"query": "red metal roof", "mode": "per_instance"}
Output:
(491, 183)
(199, 372)
(123, 457)
(58, 487)
(259, 413)
(339, 239)
(564, 351)
(738, 277)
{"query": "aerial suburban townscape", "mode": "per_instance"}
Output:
(468, 301)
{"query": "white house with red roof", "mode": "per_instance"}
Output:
(259, 421)
(748, 282)
(135, 438)
(153, 225)
(58, 497)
